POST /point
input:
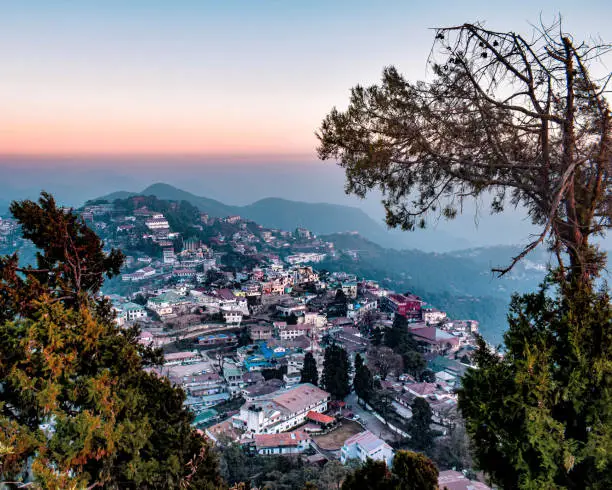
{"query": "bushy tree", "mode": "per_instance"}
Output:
(336, 372)
(77, 408)
(541, 415)
(310, 373)
(414, 471)
(384, 361)
(372, 475)
(410, 471)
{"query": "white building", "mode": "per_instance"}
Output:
(432, 315)
(169, 257)
(285, 443)
(157, 222)
(364, 446)
(281, 412)
(133, 312)
(232, 316)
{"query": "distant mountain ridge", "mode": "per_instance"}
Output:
(321, 218)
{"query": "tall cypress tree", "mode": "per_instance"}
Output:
(336, 372)
(310, 374)
(421, 435)
(77, 409)
(362, 382)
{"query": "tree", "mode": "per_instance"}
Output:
(332, 475)
(541, 415)
(373, 475)
(336, 371)
(384, 361)
(421, 435)
(414, 471)
(377, 336)
(414, 363)
(77, 408)
(292, 319)
(397, 335)
(428, 376)
(362, 382)
(310, 373)
(519, 119)
(244, 338)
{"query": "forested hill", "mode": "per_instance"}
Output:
(321, 218)
(459, 282)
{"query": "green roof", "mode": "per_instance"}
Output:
(205, 416)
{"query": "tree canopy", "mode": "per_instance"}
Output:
(336, 372)
(77, 407)
(541, 415)
(310, 373)
(522, 119)
(362, 381)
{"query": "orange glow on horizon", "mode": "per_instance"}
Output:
(93, 139)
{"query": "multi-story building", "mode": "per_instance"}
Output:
(282, 411)
(364, 446)
(157, 222)
(403, 305)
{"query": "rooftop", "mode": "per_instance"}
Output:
(368, 441)
(299, 397)
(284, 439)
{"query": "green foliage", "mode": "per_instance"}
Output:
(336, 370)
(414, 471)
(373, 475)
(76, 406)
(541, 415)
(421, 435)
(362, 382)
(377, 337)
(292, 319)
(309, 373)
(244, 338)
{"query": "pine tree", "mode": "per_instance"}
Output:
(77, 408)
(397, 335)
(421, 435)
(336, 372)
(310, 373)
(362, 382)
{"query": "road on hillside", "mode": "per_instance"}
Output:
(369, 421)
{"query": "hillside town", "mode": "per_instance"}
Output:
(240, 310)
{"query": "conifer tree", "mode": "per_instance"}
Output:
(336, 372)
(541, 415)
(362, 382)
(310, 373)
(77, 408)
(421, 435)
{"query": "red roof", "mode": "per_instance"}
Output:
(321, 418)
(284, 439)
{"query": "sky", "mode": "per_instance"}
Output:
(218, 78)
(220, 98)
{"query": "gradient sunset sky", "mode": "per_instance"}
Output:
(220, 78)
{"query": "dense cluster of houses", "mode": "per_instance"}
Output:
(245, 330)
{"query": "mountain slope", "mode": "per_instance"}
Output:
(321, 218)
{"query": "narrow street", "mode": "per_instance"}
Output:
(369, 421)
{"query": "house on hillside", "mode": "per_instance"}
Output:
(364, 446)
